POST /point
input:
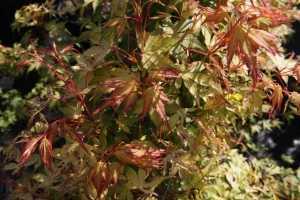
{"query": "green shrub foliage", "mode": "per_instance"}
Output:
(147, 99)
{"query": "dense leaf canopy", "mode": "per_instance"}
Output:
(148, 99)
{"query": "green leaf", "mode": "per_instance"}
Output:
(119, 8)
(156, 51)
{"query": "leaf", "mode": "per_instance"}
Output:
(276, 96)
(102, 177)
(46, 151)
(121, 92)
(163, 74)
(244, 43)
(263, 39)
(295, 99)
(200, 84)
(156, 49)
(215, 16)
(154, 98)
(29, 149)
(140, 155)
(275, 15)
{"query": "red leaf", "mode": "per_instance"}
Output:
(103, 176)
(99, 176)
(160, 109)
(164, 74)
(46, 152)
(129, 101)
(160, 103)
(29, 149)
(141, 155)
(122, 92)
(155, 98)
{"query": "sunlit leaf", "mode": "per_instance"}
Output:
(46, 151)
(29, 149)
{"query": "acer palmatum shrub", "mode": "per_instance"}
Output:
(149, 98)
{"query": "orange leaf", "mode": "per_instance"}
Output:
(275, 15)
(215, 16)
(263, 39)
(276, 99)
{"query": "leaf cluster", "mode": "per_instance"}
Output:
(151, 97)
